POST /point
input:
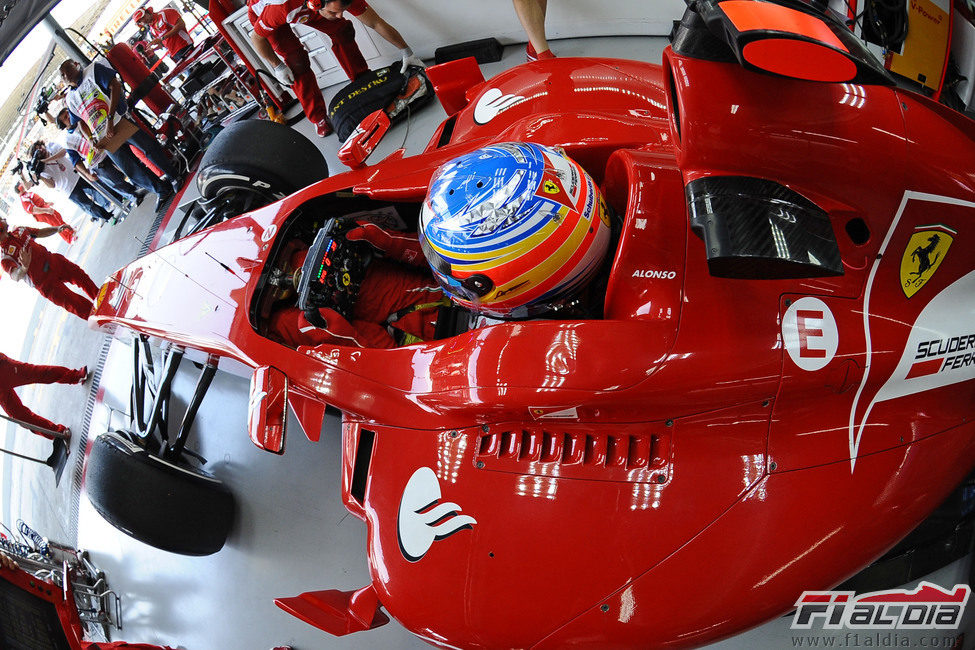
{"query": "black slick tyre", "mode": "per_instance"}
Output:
(260, 156)
(170, 507)
(371, 91)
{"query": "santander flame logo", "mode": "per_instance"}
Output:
(422, 519)
(492, 102)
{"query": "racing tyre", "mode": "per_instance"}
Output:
(260, 156)
(170, 507)
(373, 90)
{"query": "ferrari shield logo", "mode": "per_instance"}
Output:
(603, 212)
(922, 257)
(552, 189)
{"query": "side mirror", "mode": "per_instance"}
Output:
(267, 410)
(364, 139)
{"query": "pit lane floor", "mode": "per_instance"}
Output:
(292, 533)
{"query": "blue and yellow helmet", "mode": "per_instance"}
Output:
(513, 229)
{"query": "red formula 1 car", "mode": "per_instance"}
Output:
(773, 385)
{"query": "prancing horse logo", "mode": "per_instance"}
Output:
(923, 255)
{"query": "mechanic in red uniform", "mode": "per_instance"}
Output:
(396, 296)
(167, 29)
(531, 13)
(15, 373)
(274, 38)
(50, 273)
(37, 207)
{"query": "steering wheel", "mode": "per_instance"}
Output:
(333, 271)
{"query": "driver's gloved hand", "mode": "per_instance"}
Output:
(333, 327)
(400, 246)
(337, 330)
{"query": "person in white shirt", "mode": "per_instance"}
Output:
(59, 174)
(92, 163)
(96, 102)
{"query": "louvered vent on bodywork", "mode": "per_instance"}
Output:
(619, 456)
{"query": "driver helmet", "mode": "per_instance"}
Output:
(514, 229)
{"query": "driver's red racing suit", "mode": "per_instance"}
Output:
(395, 301)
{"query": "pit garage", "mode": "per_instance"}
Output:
(695, 372)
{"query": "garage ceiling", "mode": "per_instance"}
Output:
(19, 17)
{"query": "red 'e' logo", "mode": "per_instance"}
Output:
(807, 331)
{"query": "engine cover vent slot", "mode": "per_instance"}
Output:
(626, 453)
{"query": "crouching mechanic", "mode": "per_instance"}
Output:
(397, 304)
(273, 37)
(35, 205)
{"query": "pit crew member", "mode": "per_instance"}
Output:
(167, 29)
(35, 205)
(50, 273)
(531, 14)
(273, 37)
(15, 373)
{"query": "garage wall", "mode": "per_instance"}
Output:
(429, 24)
(963, 49)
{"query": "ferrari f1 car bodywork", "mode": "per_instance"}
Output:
(775, 386)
